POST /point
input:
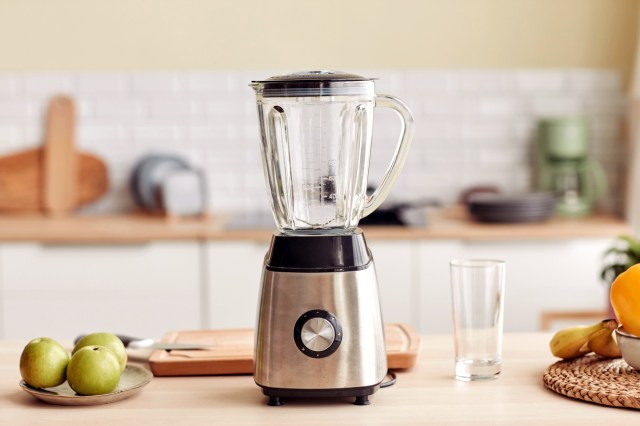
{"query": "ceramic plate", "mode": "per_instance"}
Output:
(132, 380)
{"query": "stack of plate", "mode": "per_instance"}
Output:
(531, 207)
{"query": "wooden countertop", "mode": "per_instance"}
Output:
(427, 394)
(451, 223)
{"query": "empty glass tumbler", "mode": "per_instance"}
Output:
(477, 289)
(316, 130)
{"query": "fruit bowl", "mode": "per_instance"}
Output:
(629, 347)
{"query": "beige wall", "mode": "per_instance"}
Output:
(297, 34)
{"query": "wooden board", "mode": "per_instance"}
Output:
(60, 160)
(22, 180)
(232, 352)
(55, 178)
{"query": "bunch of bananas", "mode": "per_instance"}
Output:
(580, 340)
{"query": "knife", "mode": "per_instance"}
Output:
(140, 343)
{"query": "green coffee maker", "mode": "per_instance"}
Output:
(566, 167)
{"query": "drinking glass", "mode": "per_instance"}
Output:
(477, 289)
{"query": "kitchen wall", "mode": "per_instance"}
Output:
(170, 75)
(472, 126)
(293, 34)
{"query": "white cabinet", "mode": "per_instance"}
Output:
(413, 279)
(149, 289)
(395, 263)
(64, 290)
(233, 270)
(541, 275)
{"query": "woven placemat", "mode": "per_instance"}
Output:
(594, 379)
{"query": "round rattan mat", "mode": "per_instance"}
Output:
(594, 379)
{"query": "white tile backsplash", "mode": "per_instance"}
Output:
(483, 82)
(471, 126)
(540, 81)
(13, 107)
(119, 107)
(158, 83)
(215, 82)
(10, 134)
(589, 82)
(48, 83)
(556, 105)
(103, 83)
(10, 84)
(175, 107)
(148, 132)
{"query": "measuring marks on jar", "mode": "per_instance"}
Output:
(322, 188)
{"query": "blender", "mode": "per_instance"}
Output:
(319, 326)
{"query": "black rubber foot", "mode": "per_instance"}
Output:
(362, 400)
(275, 401)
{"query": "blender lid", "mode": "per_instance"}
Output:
(314, 83)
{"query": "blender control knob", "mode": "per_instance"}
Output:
(317, 333)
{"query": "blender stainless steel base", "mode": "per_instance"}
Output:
(320, 331)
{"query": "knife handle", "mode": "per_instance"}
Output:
(126, 340)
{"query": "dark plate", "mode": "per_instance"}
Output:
(511, 209)
(511, 217)
(536, 199)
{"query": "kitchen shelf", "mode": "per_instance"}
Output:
(449, 223)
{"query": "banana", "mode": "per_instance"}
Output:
(573, 342)
(603, 342)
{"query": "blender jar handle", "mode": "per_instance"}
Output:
(402, 150)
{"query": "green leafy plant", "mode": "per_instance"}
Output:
(624, 254)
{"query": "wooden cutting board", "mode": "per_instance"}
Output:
(22, 180)
(232, 351)
(55, 178)
(60, 159)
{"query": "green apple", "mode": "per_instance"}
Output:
(93, 370)
(43, 363)
(107, 340)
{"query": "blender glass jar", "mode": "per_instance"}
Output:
(316, 132)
